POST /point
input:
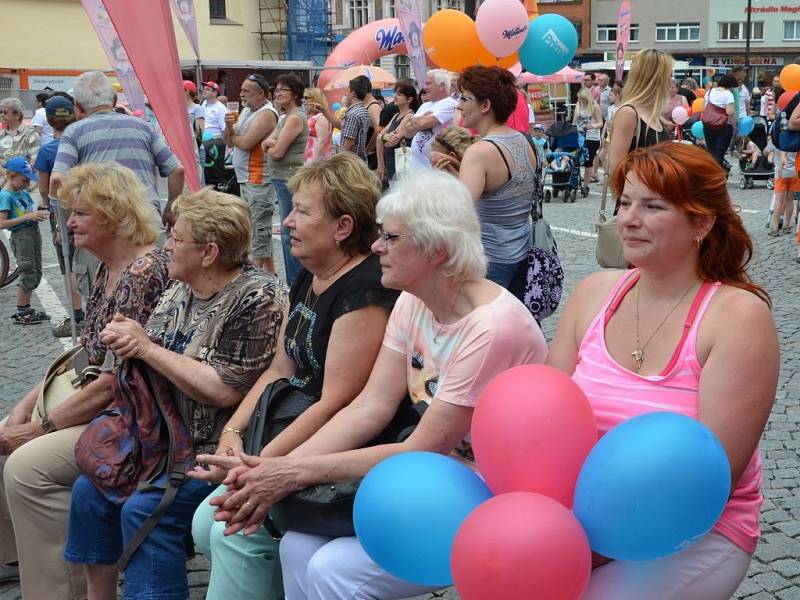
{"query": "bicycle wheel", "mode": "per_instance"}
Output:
(8, 267)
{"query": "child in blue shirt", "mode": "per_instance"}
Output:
(18, 214)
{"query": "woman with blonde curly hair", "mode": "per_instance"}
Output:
(112, 218)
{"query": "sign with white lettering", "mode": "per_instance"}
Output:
(730, 61)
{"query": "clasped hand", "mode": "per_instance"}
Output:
(126, 338)
(253, 488)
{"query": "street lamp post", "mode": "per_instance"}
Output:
(747, 34)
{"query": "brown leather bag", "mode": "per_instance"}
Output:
(713, 116)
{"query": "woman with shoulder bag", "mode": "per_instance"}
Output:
(338, 309)
(389, 141)
(718, 117)
(112, 218)
(449, 334)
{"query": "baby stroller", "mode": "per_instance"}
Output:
(762, 170)
(564, 164)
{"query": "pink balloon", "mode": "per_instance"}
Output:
(531, 431)
(680, 115)
(502, 26)
(520, 546)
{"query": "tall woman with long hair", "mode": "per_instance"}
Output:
(405, 98)
(589, 120)
(685, 331)
(637, 122)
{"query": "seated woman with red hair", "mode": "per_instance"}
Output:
(684, 330)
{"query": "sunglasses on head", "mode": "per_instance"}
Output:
(260, 81)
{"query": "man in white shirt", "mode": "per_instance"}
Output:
(433, 116)
(215, 110)
(39, 120)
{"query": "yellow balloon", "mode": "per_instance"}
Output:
(790, 78)
(451, 40)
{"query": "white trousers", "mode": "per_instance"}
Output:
(712, 569)
(324, 568)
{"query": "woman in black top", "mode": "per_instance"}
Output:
(405, 97)
(637, 122)
(329, 341)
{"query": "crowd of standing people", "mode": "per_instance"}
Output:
(408, 241)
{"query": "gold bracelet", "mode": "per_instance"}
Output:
(229, 430)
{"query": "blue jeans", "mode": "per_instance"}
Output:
(291, 264)
(718, 140)
(503, 273)
(99, 530)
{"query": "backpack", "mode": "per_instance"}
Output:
(783, 138)
(139, 442)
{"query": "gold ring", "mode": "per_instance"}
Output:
(247, 503)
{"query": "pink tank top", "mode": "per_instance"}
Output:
(617, 394)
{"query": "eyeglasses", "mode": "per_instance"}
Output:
(464, 98)
(258, 80)
(171, 238)
(385, 237)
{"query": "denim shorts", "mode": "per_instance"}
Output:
(99, 530)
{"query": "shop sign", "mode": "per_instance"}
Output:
(730, 61)
(60, 83)
(775, 8)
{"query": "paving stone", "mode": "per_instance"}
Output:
(788, 567)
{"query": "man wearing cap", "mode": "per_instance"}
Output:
(39, 120)
(255, 123)
(103, 134)
(215, 110)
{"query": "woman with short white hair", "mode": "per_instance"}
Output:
(450, 333)
(16, 139)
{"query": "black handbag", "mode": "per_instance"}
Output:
(327, 508)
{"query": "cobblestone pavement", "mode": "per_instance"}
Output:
(775, 570)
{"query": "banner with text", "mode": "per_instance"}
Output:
(408, 14)
(115, 52)
(623, 37)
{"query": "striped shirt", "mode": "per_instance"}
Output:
(617, 394)
(130, 141)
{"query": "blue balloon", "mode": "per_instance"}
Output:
(407, 512)
(746, 125)
(336, 106)
(652, 486)
(697, 130)
(207, 136)
(549, 46)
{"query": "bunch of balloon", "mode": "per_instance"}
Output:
(679, 116)
(784, 99)
(531, 431)
(549, 46)
(453, 41)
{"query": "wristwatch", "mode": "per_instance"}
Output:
(47, 425)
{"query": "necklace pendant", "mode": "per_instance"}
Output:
(638, 356)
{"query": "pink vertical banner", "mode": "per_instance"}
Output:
(184, 10)
(145, 28)
(408, 14)
(115, 52)
(623, 37)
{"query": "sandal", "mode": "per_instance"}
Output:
(774, 233)
(26, 318)
(788, 230)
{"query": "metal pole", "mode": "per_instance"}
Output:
(62, 227)
(747, 42)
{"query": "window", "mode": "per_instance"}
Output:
(578, 27)
(390, 12)
(791, 30)
(216, 9)
(455, 4)
(677, 32)
(735, 31)
(359, 13)
(607, 34)
(402, 67)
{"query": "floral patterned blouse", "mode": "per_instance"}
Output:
(135, 296)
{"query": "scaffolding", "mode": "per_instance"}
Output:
(271, 23)
(295, 30)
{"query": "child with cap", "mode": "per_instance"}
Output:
(17, 213)
(539, 140)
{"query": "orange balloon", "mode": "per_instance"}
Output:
(450, 39)
(487, 59)
(700, 92)
(697, 105)
(790, 78)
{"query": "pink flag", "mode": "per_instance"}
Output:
(411, 25)
(115, 53)
(145, 28)
(623, 36)
(184, 10)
